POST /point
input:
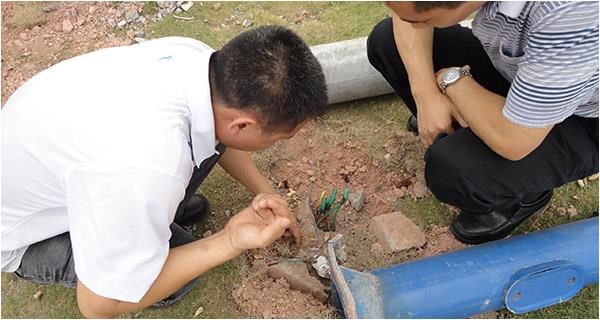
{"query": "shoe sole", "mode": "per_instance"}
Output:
(503, 235)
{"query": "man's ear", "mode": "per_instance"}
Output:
(241, 124)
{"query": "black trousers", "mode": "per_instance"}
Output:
(51, 261)
(460, 169)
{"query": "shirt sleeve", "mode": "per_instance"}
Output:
(559, 70)
(119, 222)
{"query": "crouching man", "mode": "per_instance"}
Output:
(523, 83)
(102, 155)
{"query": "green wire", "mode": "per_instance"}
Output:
(323, 204)
(333, 195)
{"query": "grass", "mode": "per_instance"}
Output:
(374, 119)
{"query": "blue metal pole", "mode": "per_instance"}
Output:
(523, 273)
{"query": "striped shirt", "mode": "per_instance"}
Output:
(549, 52)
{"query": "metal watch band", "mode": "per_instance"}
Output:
(464, 72)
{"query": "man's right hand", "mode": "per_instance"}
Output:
(434, 116)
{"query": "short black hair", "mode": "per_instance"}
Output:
(422, 6)
(270, 72)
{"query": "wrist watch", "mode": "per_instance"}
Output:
(452, 75)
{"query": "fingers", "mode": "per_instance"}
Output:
(279, 207)
(274, 230)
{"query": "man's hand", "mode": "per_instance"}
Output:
(434, 116)
(268, 204)
(250, 230)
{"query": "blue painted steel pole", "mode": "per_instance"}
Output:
(522, 273)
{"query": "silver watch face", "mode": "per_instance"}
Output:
(451, 75)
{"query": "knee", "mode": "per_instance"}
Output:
(446, 172)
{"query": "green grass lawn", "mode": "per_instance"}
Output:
(325, 22)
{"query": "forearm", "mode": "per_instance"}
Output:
(481, 109)
(415, 47)
(183, 264)
(241, 167)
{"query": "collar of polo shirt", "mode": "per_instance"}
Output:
(510, 9)
(202, 130)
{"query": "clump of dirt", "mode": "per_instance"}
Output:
(262, 297)
(440, 240)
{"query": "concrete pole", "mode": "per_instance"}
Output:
(348, 73)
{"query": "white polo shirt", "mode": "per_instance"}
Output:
(99, 145)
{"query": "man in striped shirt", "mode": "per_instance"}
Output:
(509, 109)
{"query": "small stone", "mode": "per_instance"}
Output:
(207, 234)
(186, 5)
(139, 39)
(26, 54)
(49, 8)
(139, 33)
(561, 211)
(357, 199)
(387, 156)
(247, 23)
(111, 22)
(396, 232)
(131, 15)
(80, 21)
(227, 213)
(296, 274)
(130, 34)
(91, 10)
(582, 183)
(304, 160)
(38, 295)
(351, 169)
(121, 23)
(310, 172)
(312, 179)
(198, 311)
(362, 169)
(23, 36)
(217, 6)
(593, 177)
(572, 211)
(36, 29)
(419, 189)
(67, 26)
(322, 267)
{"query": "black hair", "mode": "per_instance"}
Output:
(270, 72)
(422, 6)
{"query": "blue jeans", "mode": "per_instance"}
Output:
(50, 261)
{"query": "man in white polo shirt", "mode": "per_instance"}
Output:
(99, 169)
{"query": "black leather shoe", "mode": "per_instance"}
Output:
(196, 209)
(478, 228)
(412, 125)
